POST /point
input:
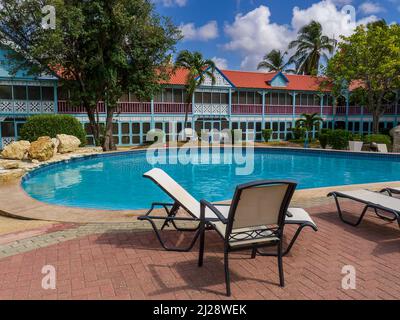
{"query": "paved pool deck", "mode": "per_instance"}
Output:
(125, 261)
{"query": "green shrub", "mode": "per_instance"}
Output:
(267, 133)
(51, 125)
(356, 137)
(339, 139)
(299, 133)
(378, 138)
(323, 140)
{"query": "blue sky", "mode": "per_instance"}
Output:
(237, 33)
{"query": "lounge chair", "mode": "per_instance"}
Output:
(382, 148)
(256, 219)
(183, 200)
(371, 200)
(391, 191)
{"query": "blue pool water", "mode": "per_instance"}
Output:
(115, 182)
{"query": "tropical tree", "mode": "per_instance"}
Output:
(309, 121)
(199, 69)
(275, 62)
(311, 45)
(369, 62)
(99, 49)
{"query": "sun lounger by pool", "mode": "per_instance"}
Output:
(391, 191)
(183, 200)
(256, 220)
(382, 148)
(371, 200)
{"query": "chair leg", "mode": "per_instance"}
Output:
(227, 275)
(202, 240)
(254, 253)
(280, 265)
(353, 224)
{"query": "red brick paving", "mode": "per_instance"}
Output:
(131, 265)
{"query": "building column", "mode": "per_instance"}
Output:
(230, 108)
(55, 98)
(152, 125)
(263, 111)
(361, 131)
(192, 119)
(347, 98)
(294, 94)
(322, 107)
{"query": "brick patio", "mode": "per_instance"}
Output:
(123, 264)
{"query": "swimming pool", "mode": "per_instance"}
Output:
(115, 182)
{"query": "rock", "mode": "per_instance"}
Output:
(9, 165)
(9, 175)
(68, 143)
(89, 150)
(35, 161)
(396, 139)
(42, 149)
(56, 143)
(16, 150)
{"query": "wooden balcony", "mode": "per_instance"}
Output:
(237, 109)
(128, 107)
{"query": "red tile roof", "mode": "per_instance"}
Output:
(178, 77)
(256, 80)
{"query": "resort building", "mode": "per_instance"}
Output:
(250, 101)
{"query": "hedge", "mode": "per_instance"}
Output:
(51, 125)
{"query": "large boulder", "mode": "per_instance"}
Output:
(68, 143)
(42, 149)
(16, 150)
(396, 139)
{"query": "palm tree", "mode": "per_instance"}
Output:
(311, 45)
(309, 121)
(275, 62)
(199, 68)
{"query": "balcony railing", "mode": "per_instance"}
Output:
(174, 108)
(128, 107)
(247, 109)
(356, 110)
(24, 107)
(238, 109)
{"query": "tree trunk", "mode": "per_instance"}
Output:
(375, 122)
(186, 115)
(108, 144)
(94, 125)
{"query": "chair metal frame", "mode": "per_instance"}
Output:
(276, 232)
(368, 205)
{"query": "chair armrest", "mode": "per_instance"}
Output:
(204, 204)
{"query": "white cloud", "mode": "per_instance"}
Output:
(253, 34)
(204, 33)
(221, 63)
(172, 3)
(370, 7)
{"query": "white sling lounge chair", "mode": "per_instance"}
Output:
(257, 217)
(183, 200)
(371, 200)
(391, 191)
